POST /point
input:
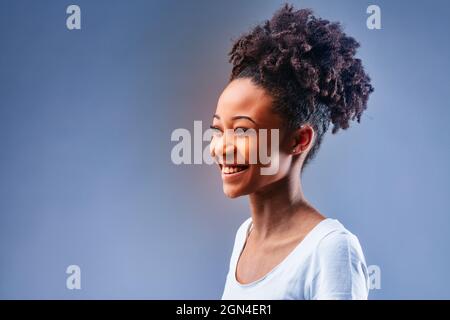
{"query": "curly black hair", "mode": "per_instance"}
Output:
(308, 66)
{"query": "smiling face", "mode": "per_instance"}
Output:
(243, 106)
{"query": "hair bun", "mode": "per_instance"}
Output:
(312, 57)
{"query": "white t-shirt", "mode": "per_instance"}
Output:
(327, 264)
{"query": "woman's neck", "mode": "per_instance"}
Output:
(278, 207)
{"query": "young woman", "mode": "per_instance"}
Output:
(295, 73)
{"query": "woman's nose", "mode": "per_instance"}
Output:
(228, 152)
(223, 147)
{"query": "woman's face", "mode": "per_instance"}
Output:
(243, 106)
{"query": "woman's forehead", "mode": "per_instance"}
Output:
(243, 97)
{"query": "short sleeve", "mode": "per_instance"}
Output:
(340, 271)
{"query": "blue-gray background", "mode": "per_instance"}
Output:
(85, 171)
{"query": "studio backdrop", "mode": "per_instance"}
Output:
(91, 93)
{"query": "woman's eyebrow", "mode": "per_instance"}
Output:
(243, 117)
(237, 117)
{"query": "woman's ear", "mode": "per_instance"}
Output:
(302, 139)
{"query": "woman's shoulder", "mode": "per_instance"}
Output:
(243, 228)
(338, 240)
(338, 265)
(239, 240)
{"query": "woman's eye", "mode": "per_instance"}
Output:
(216, 130)
(240, 130)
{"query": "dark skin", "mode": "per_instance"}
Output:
(281, 214)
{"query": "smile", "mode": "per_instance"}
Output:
(232, 169)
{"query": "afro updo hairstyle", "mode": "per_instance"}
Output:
(307, 64)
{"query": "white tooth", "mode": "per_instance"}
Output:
(226, 169)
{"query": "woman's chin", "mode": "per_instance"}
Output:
(232, 192)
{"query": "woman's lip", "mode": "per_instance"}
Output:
(232, 176)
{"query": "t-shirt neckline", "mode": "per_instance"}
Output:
(309, 236)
